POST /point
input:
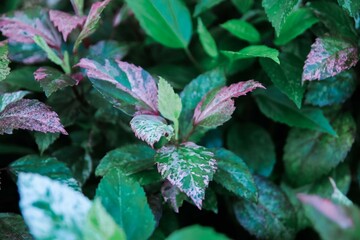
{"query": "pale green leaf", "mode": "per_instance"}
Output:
(242, 30)
(169, 102)
(207, 41)
(4, 61)
(40, 41)
(252, 52)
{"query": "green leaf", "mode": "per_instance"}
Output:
(286, 76)
(126, 202)
(309, 155)
(353, 8)
(278, 12)
(279, 108)
(172, 195)
(78, 6)
(234, 175)
(40, 41)
(204, 5)
(252, 52)
(27, 53)
(339, 197)
(207, 41)
(166, 21)
(296, 24)
(243, 6)
(196, 232)
(242, 30)
(51, 210)
(109, 49)
(12, 226)
(189, 167)
(44, 140)
(333, 90)
(7, 98)
(45, 166)
(254, 145)
(272, 217)
(23, 78)
(4, 61)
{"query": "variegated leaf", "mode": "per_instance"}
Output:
(172, 195)
(31, 115)
(4, 61)
(151, 129)
(328, 57)
(65, 22)
(189, 167)
(7, 98)
(217, 107)
(51, 79)
(91, 22)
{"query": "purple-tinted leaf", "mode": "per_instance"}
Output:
(23, 26)
(328, 57)
(65, 22)
(150, 128)
(91, 22)
(172, 195)
(217, 106)
(31, 115)
(51, 79)
(189, 167)
(28, 53)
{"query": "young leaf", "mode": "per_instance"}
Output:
(207, 41)
(353, 8)
(166, 21)
(296, 24)
(217, 107)
(189, 167)
(196, 232)
(309, 155)
(4, 61)
(31, 115)
(234, 175)
(328, 57)
(51, 210)
(44, 140)
(52, 80)
(92, 22)
(51, 54)
(65, 22)
(337, 196)
(12, 226)
(204, 5)
(278, 12)
(252, 52)
(78, 6)
(279, 108)
(126, 202)
(7, 98)
(242, 30)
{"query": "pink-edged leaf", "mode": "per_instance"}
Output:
(29, 114)
(51, 79)
(328, 57)
(217, 107)
(65, 22)
(128, 87)
(151, 128)
(189, 167)
(172, 195)
(23, 26)
(91, 22)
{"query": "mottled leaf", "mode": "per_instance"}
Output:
(328, 57)
(27, 53)
(12, 226)
(4, 61)
(7, 98)
(253, 52)
(44, 140)
(110, 49)
(126, 202)
(65, 22)
(189, 167)
(242, 30)
(196, 232)
(172, 195)
(207, 41)
(31, 115)
(204, 5)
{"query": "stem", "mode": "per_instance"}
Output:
(192, 59)
(66, 63)
(190, 133)
(176, 127)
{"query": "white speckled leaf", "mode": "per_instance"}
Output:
(7, 98)
(172, 195)
(150, 128)
(189, 167)
(4, 61)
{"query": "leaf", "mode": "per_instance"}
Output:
(4, 61)
(353, 8)
(65, 22)
(12, 226)
(51, 210)
(167, 21)
(109, 49)
(129, 159)
(328, 57)
(23, 26)
(242, 30)
(278, 12)
(217, 107)
(172, 195)
(127, 87)
(126, 202)
(45, 166)
(23, 78)
(169, 102)
(207, 41)
(189, 167)
(196, 232)
(7, 98)
(286, 76)
(244, 140)
(339, 197)
(243, 6)
(333, 90)
(52, 80)
(91, 23)
(234, 175)
(27, 53)
(252, 52)
(151, 129)
(272, 217)
(309, 155)
(204, 5)
(78, 6)
(31, 115)
(296, 24)
(279, 108)
(44, 140)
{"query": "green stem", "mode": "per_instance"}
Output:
(176, 127)
(66, 63)
(193, 60)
